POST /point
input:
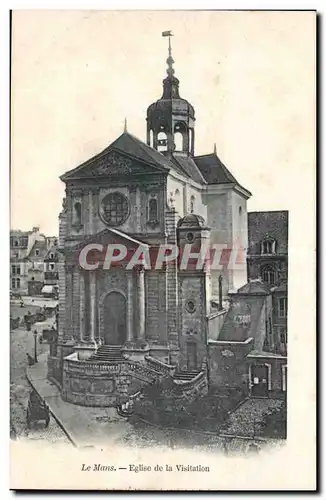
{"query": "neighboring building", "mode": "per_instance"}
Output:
(51, 266)
(245, 355)
(21, 246)
(27, 252)
(35, 270)
(267, 255)
(267, 259)
(120, 328)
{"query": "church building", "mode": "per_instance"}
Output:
(121, 328)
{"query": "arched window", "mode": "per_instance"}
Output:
(151, 138)
(268, 246)
(178, 141)
(180, 133)
(152, 209)
(162, 142)
(268, 275)
(192, 204)
(191, 136)
(77, 213)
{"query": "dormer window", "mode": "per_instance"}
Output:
(268, 275)
(268, 247)
(37, 252)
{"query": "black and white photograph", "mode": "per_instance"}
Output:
(162, 246)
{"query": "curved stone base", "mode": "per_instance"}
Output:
(91, 383)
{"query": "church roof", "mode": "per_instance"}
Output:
(188, 167)
(132, 147)
(128, 145)
(282, 287)
(214, 171)
(255, 287)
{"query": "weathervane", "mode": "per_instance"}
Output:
(169, 60)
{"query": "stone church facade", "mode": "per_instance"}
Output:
(121, 328)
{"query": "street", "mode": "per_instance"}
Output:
(21, 343)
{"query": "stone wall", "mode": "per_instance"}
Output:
(227, 364)
(214, 324)
(193, 328)
(275, 223)
(156, 307)
(101, 384)
(278, 383)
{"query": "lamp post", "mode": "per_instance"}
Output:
(35, 346)
(220, 295)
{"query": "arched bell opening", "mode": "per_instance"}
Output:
(162, 141)
(181, 137)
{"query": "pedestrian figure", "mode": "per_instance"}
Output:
(30, 360)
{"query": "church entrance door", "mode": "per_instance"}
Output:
(114, 319)
(191, 356)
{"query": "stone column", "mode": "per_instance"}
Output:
(90, 212)
(87, 345)
(130, 326)
(92, 292)
(82, 325)
(141, 303)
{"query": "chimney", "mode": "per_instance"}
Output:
(36, 229)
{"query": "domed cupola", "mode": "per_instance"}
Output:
(192, 221)
(171, 119)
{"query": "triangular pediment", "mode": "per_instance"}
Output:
(110, 236)
(125, 157)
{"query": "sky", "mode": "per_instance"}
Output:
(76, 75)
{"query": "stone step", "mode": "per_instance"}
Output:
(109, 354)
(186, 375)
(110, 348)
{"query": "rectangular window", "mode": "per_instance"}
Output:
(282, 307)
(283, 335)
(15, 269)
(15, 283)
(37, 252)
(51, 267)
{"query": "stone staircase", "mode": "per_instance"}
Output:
(186, 375)
(108, 354)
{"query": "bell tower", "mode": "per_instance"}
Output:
(171, 119)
